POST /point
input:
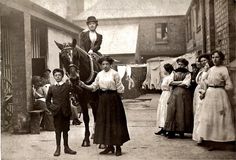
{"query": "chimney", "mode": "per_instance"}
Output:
(74, 8)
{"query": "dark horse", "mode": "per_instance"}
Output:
(87, 69)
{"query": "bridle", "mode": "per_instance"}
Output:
(69, 53)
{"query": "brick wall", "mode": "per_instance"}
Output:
(222, 27)
(210, 26)
(232, 30)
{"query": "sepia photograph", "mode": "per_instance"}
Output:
(118, 79)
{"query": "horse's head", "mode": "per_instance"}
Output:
(72, 55)
(69, 56)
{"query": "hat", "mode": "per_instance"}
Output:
(91, 19)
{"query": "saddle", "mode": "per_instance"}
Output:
(96, 56)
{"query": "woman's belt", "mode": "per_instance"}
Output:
(39, 97)
(106, 91)
(215, 86)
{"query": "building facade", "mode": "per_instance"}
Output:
(27, 46)
(211, 25)
(161, 27)
(156, 36)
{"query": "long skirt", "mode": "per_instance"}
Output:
(197, 104)
(179, 111)
(162, 109)
(216, 122)
(111, 125)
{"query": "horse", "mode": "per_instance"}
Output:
(87, 69)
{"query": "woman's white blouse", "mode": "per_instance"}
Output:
(108, 81)
(93, 36)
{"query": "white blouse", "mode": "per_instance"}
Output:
(165, 85)
(219, 76)
(108, 81)
(92, 36)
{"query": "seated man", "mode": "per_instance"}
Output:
(39, 95)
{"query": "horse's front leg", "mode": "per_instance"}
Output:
(86, 141)
(94, 106)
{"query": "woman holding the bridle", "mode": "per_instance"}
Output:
(111, 125)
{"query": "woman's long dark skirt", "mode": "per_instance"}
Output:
(111, 126)
(179, 111)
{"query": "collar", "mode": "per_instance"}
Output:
(92, 32)
(59, 83)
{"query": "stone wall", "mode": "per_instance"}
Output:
(21, 70)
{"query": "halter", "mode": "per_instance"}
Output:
(70, 55)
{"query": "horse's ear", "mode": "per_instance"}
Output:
(74, 42)
(59, 45)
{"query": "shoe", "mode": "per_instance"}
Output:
(67, 150)
(76, 121)
(160, 132)
(118, 151)
(58, 151)
(211, 148)
(102, 146)
(200, 142)
(171, 135)
(107, 150)
(181, 135)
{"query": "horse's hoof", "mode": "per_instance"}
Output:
(85, 143)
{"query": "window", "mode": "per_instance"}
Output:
(198, 17)
(189, 27)
(161, 32)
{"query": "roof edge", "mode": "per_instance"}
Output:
(75, 20)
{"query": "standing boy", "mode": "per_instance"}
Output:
(59, 104)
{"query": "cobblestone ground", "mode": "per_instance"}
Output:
(144, 145)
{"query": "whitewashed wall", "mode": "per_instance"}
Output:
(53, 50)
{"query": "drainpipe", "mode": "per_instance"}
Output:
(203, 26)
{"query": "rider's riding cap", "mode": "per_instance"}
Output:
(91, 19)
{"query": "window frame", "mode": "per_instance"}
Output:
(160, 40)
